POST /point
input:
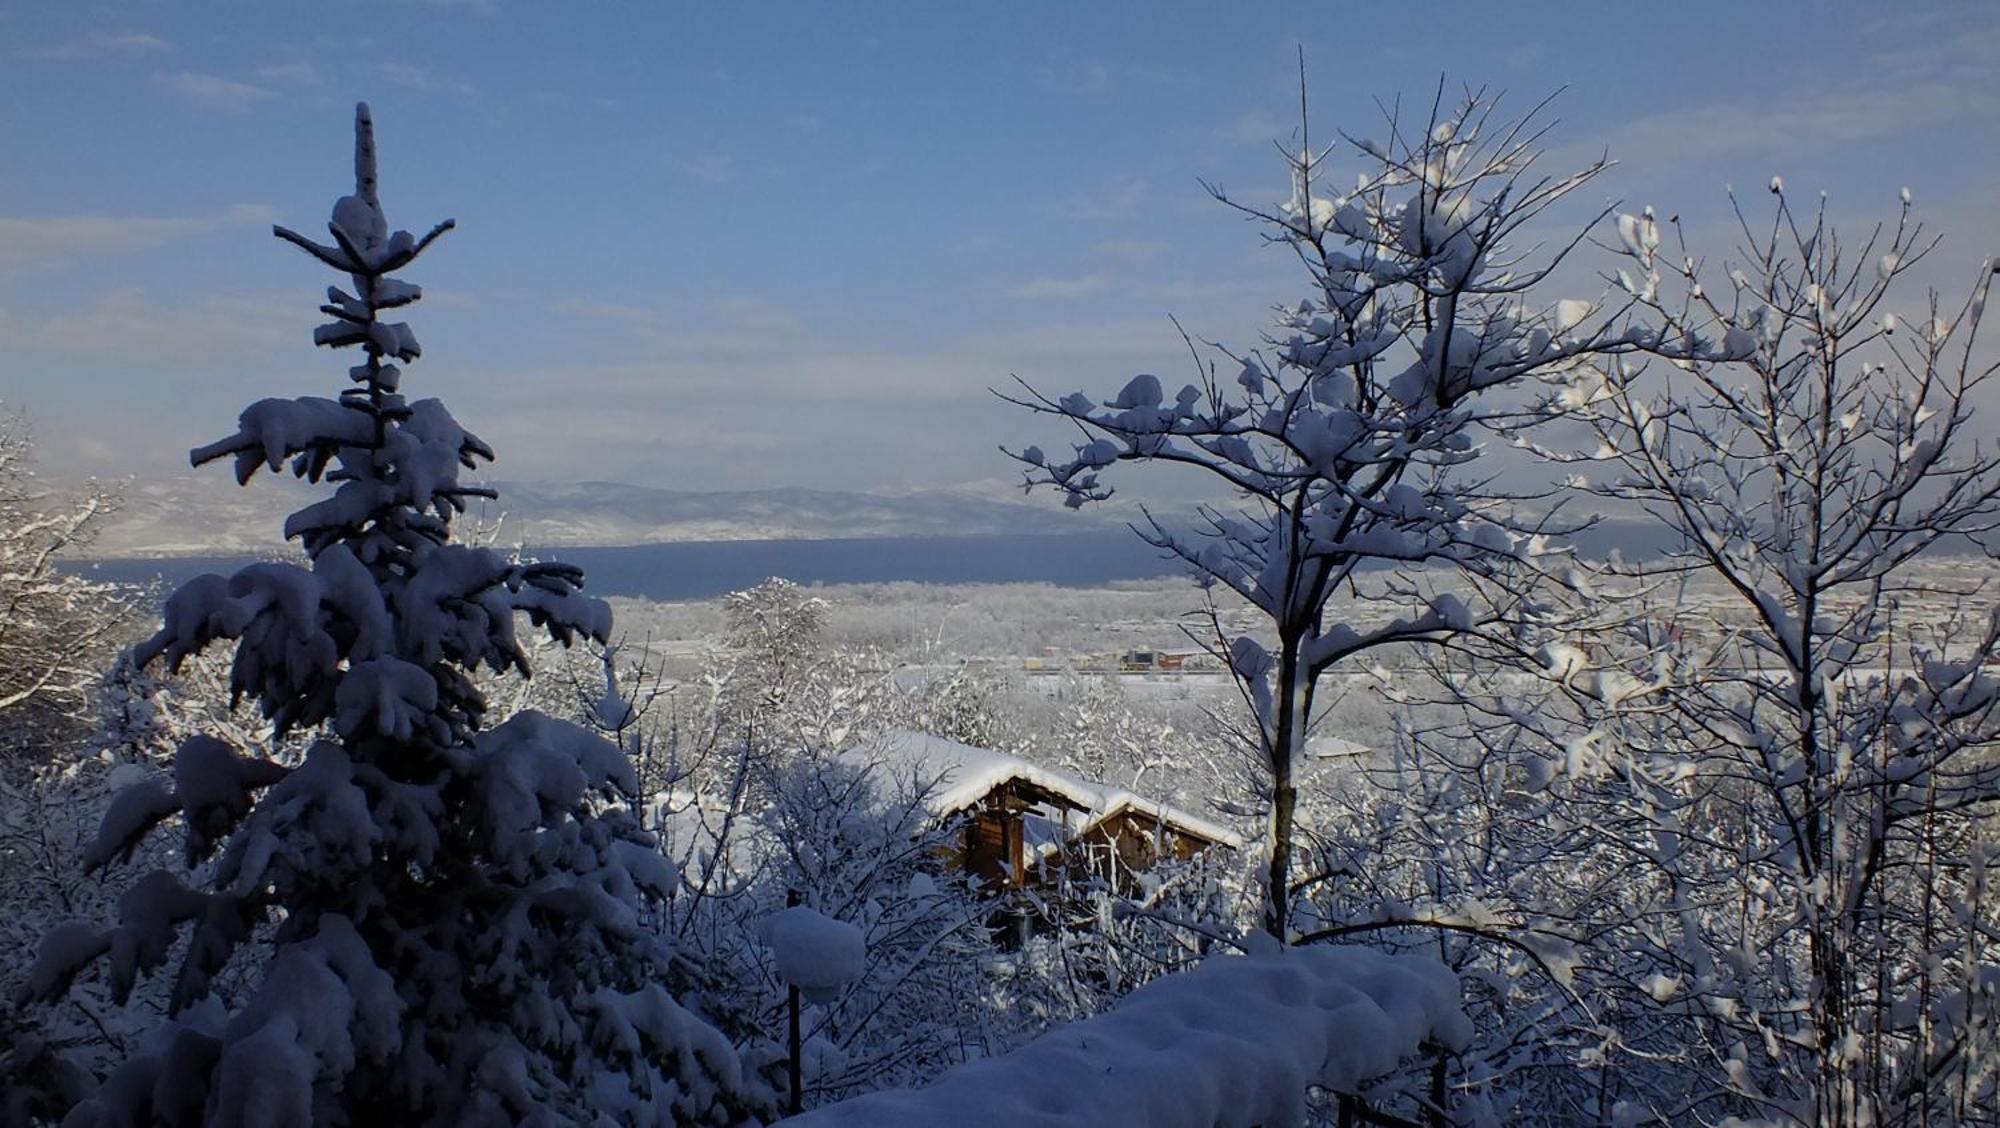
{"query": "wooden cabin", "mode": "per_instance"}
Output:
(1132, 835)
(1025, 825)
(1004, 835)
(1024, 828)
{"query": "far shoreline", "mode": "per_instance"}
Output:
(693, 570)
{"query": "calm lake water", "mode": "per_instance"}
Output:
(707, 569)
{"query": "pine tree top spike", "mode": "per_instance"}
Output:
(364, 154)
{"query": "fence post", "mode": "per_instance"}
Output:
(795, 1068)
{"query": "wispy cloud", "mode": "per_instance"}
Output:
(291, 74)
(25, 241)
(598, 309)
(1042, 289)
(1121, 201)
(1244, 293)
(1096, 77)
(1793, 124)
(716, 325)
(127, 324)
(418, 78)
(1257, 127)
(211, 92)
(766, 410)
(978, 243)
(1139, 286)
(1130, 252)
(1922, 46)
(1091, 78)
(482, 7)
(100, 45)
(710, 168)
(453, 300)
(1926, 68)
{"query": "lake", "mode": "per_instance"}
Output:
(705, 569)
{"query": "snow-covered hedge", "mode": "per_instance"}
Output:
(1235, 1042)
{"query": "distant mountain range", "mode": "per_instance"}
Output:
(202, 515)
(210, 516)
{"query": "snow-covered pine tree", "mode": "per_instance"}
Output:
(450, 917)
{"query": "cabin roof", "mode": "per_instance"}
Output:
(1118, 802)
(964, 775)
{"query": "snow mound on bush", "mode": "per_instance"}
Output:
(1235, 1042)
(814, 952)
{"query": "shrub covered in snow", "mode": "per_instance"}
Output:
(452, 914)
(1236, 1042)
(896, 963)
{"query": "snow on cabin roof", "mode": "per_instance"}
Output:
(964, 775)
(1116, 801)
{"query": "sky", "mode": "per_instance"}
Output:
(740, 246)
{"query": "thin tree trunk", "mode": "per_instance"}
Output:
(1294, 705)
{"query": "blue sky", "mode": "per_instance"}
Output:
(716, 246)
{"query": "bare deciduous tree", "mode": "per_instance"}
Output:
(56, 630)
(1346, 441)
(1788, 747)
